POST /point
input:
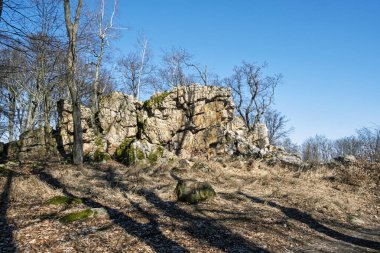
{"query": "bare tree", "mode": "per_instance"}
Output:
(317, 149)
(104, 27)
(350, 145)
(276, 124)
(71, 59)
(289, 146)
(173, 70)
(253, 94)
(136, 68)
(370, 143)
(18, 92)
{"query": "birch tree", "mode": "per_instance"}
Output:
(104, 27)
(136, 68)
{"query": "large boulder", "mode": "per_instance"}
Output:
(193, 192)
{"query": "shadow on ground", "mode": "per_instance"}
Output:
(204, 229)
(308, 220)
(7, 243)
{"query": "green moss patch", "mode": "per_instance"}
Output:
(140, 154)
(100, 156)
(153, 157)
(63, 200)
(125, 153)
(81, 215)
(155, 100)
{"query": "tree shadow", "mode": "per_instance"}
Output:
(7, 243)
(59, 140)
(308, 220)
(150, 232)
(187, 105)
(204, 229)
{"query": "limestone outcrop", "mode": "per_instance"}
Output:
(187, 121)
(31, 144)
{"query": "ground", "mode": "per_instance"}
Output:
(257, 208)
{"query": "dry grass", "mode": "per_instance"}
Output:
(257, 207)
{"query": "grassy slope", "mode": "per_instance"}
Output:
(256, 208)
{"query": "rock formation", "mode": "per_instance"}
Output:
(187, 121)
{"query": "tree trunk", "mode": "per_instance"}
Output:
(95, 86)
(47, 122)
(72, 29)
(78, 139)
(11, 118)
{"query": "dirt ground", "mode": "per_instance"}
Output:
(257, 209)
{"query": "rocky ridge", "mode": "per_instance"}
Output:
(186, 122)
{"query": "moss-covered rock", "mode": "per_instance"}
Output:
(125, 153)
(133, 151)
(155, 100)
(100, 156)
(153, 156)
(140, 154)
(81, 215)
(62, 200)
(193, 192)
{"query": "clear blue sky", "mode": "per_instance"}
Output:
(327, 50)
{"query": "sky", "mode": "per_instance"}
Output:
(328, 51)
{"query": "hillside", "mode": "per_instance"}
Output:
(257, 207)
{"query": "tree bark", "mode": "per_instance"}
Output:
(72, 29)
(11, 117)
(95, 86)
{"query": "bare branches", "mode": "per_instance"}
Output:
(136, 68)
(253, 94)
(276, 124)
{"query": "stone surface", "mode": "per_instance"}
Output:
(192, 191)
(275, 155)
(117, 119)
(188, 121)
(133, 151)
